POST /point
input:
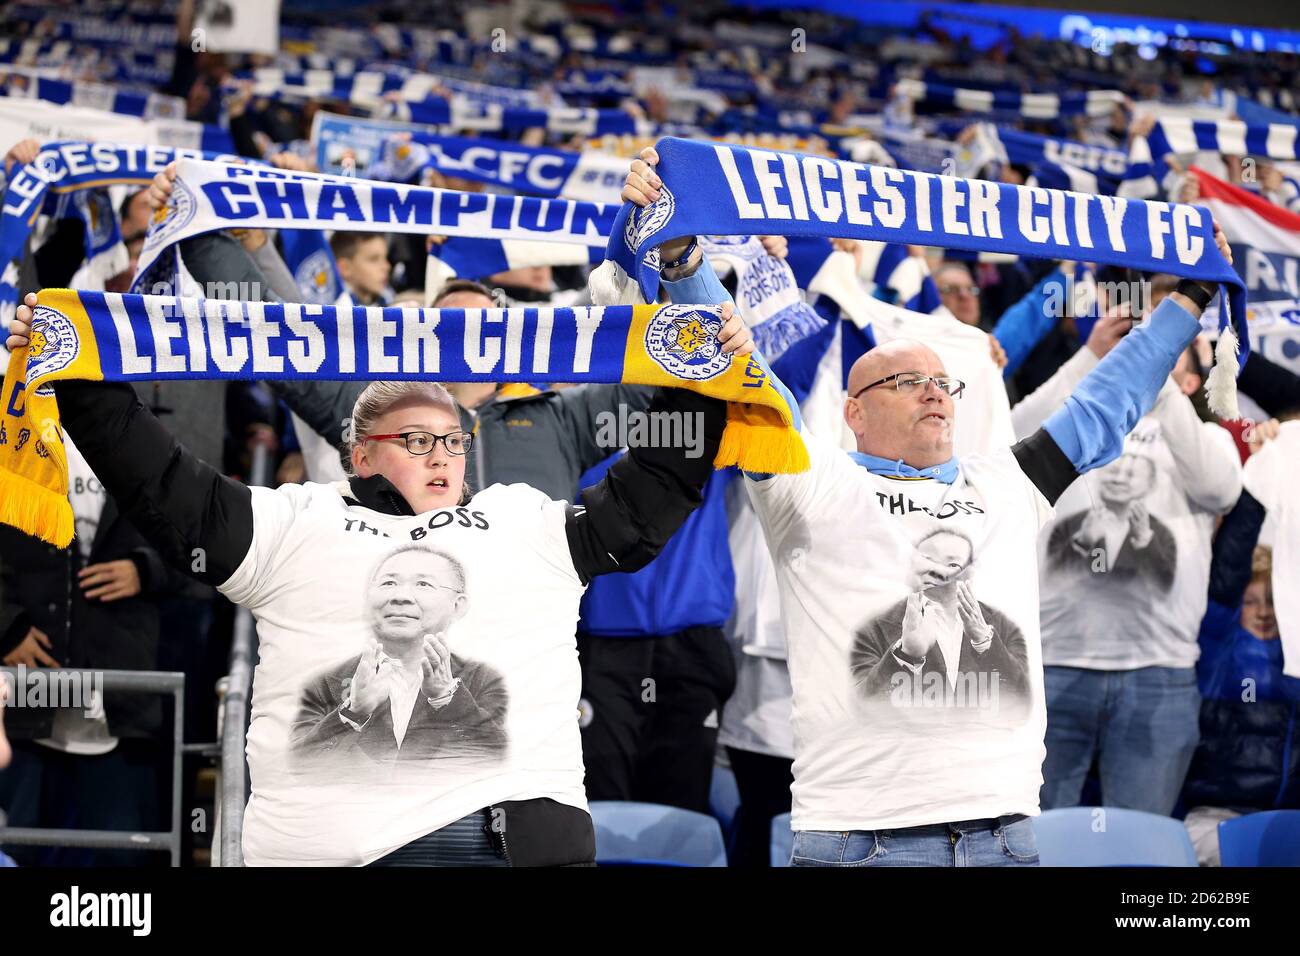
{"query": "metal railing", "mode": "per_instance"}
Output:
(234, 691)
(129, 682)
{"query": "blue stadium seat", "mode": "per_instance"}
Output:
(647, 834)
(782, 840)
(724, 800)
(1109, 836)
(1271, 838)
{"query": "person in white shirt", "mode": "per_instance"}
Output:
(481, 774)
(1125, 568)
(930, 779)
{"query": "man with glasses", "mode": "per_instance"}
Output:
(1016, 329)
(912, 746)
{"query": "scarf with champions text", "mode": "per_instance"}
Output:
(70, 168)
(721, 189)
(97, 336)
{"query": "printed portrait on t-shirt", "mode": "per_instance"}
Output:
(1117, 536)
(941, 648)
(405, 698)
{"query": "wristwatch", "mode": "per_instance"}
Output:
(1197, 292)
(686, 261)
(440, 702)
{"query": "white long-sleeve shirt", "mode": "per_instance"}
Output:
(1122, 589)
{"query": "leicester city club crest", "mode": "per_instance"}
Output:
(53, 344)
(683, 339)
(170, 219)
(646, 221)
(315, 279)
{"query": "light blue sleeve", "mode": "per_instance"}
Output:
(1091, 425)
(1024, 324)
(703, 288)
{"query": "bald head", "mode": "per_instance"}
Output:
(913, 424)
(896, 355)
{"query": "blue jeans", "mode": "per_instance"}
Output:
(1006, 841)
(1142, 726)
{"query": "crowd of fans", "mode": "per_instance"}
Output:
(1157, 601)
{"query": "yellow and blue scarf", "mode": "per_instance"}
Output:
(97, 336)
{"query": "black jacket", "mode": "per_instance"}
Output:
(180, 504)
(38, 588)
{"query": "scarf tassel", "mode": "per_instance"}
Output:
(759, 437)
(1221, 383)
(35, 509)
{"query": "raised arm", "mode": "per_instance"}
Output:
(1204, 454)
(1024, 324)
(199, 521)
(650, 492)
(1089, 429)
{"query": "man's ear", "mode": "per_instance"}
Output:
(853, 416)
(460, 607)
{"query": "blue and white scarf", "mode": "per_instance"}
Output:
(58, 170)
(210, 196)
(719, 189)
(1182, 135)
(1028, 105)
(590, 175)
(462, 113)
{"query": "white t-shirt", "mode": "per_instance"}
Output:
(881, 742)
(333, 784)
(1270, 476)
(1126, 566)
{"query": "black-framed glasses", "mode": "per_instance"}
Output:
(910, 382)
(422, 443)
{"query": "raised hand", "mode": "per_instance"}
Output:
(20, 327)
(734, 334)
(1139, 525)
(437, 680)
(916, 639)
(978, 631)
(371, 680)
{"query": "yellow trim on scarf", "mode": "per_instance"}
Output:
(33, 459)
(759, 434)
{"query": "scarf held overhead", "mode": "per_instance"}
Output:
(720, 189)
(212, 196)
(96, 336)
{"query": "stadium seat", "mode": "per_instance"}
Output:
(1110, 836)
(647, 834)
(782, 840)
(1271, 838)
(724, 800)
